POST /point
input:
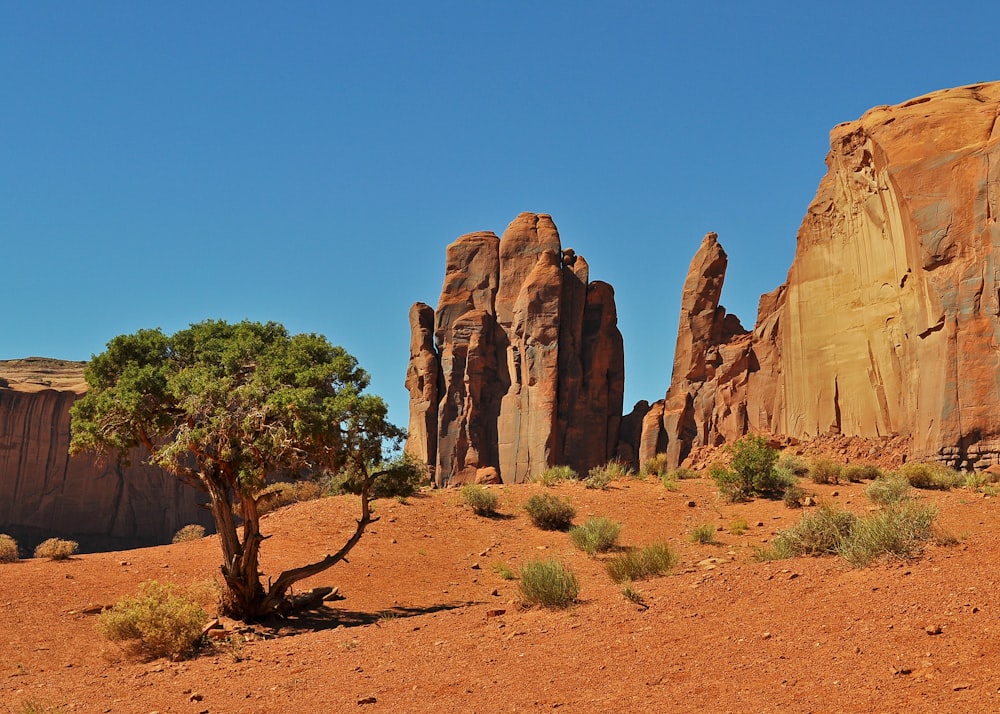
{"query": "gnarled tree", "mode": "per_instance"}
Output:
(228, 408)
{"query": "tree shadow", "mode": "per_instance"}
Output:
(328, 618)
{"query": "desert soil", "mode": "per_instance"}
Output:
(428, 625)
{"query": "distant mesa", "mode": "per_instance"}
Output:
(45, 493)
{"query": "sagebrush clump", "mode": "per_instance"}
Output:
(554, 474)
(480, 499)
(8, 549)
(161, 621)
(639, 564)
(597, 535)
(57, 549)
(705, 533)
(549, 512)
(825, 471)
(930, 476)
(548, 583)
(888, 490)
(601, 476)
(192, 531)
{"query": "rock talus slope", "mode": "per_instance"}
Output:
(888, 321)
(529, 368)
(46, 493)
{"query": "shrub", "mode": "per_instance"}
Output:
(648, 562)
(751, 470)
(554, 474)
(8, 549)
(597, 535)
(633, 595)
(192, 531)
(549, 512)
(548, 583)
(482, 501)
(658, 466)
(601, 476)
(931, 476)
(56, 549)
(402, 477)
(897, 530)
(794, 464)
(856, 473)
(888, 490)
(705, 533)
(160, 622)
(793, 495)
(738, 526)
(504, 571)
(819, 533)
(825, 471)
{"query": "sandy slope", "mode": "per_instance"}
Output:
(419, 629)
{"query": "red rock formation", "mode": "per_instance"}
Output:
(45, 493)
(529, 357)
(422, 383)
(630, 435)
(888, 321)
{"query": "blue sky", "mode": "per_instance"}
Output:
(164, 163)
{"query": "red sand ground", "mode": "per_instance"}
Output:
(417, 633)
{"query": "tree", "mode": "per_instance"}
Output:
(226, 408)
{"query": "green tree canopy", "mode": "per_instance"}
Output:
(228, 407)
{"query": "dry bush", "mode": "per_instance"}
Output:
(658, 466)
(597, 535)
(191, 531)
(554, 474)
(548, 583)
(482, 501)
(705, 533)
(898, 531)
(888, 490)
(549, 512)
(600, 476)
(856, 473)
(647, 562)
(8, 549)
(161, 621)
(794, 464)
(825, 471)
(930, 476)
(56, 549)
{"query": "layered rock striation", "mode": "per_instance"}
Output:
(526, 366)
(888, 321)
(46, 493)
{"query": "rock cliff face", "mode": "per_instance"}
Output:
(45, 493)
(526, 369)
(888, 321)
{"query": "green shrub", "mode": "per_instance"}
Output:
(738, 526)
(633, 595)
(56, 549)
(482, 500)
(856, 473)
(888, 490)
(8, 549)
(897, 530)
(597, 535)
(601, 476)
(192, 531)
(818, 533)
(658, 466)
(930, 476)
(793, 495)
(794, 464)
(161, 621)
(548, 583)
(504, 571)
(751, 470)
(825, 471)
(647, 562)
(549, 512)
(403, 476)
(554, 474)
(705, 533)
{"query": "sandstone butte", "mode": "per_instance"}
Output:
(888, 321)
(521, 366)
(45, 493)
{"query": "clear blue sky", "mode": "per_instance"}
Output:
(164, 163)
